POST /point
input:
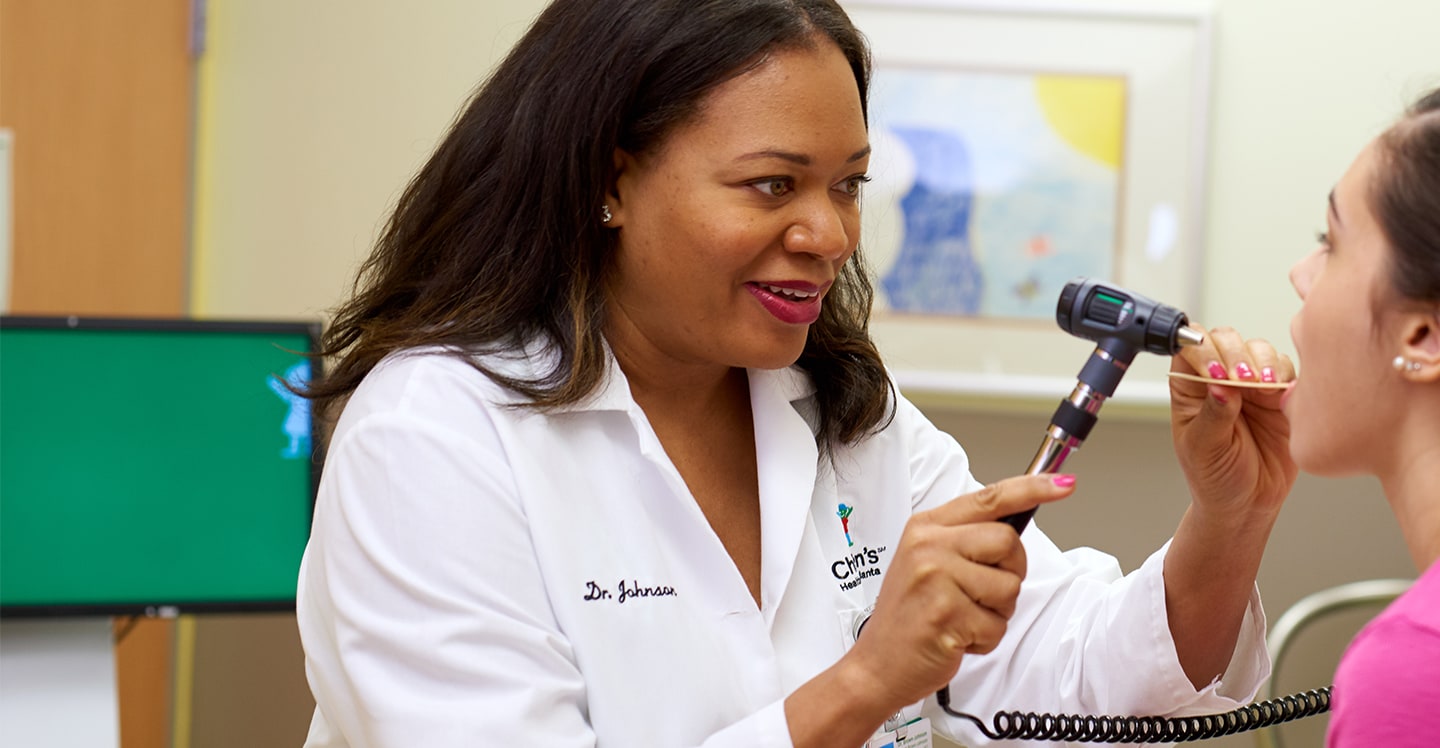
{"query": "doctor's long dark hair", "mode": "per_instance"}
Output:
(498, 238)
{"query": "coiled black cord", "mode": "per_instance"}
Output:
(1090, 729)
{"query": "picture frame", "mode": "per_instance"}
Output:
(1019, 144)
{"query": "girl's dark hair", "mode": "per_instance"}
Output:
(1406, 197)
(497, 239)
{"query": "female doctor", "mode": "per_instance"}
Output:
(618, 463)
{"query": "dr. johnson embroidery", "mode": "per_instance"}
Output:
(624, 591)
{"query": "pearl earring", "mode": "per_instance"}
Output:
(605, 213)
(1401, 364)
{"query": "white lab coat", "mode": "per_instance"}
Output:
(486, 575)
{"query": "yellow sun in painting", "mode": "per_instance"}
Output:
(1087, 112)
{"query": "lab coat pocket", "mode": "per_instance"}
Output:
(851, 621)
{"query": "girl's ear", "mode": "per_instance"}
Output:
(1420, 347)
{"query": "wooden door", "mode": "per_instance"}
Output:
(98, 95)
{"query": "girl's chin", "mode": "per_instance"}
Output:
(1305, 457)
(1324, 455)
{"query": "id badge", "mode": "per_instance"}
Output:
(914, 734)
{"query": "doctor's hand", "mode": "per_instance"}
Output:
(1232, 443)
(950, 590)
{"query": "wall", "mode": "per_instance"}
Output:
(314, 115)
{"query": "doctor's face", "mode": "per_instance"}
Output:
(731, 234)
(1344, 404)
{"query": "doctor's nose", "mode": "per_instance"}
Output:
(822, 230)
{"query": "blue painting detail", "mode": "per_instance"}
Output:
(993, 211)
(935, 270)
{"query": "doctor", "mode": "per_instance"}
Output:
(619, 465)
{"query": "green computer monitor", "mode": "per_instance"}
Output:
(153, 466)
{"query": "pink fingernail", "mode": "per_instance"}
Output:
(1244, 371)
(1064, 480)
(1217, 392)
(1216, 370)
(1267, 374)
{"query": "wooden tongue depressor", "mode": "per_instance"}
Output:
(1234, 382)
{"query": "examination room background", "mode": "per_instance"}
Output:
(310, 116)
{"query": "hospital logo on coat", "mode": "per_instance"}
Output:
(844, 515)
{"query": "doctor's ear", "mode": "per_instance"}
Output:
(1420, 347)
(622, 186)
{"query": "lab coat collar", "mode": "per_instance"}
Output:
(790, 384)
(537, 358)
(787, 459)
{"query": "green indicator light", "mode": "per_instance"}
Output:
(1110, 299)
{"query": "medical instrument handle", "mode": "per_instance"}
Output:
(1122, 323)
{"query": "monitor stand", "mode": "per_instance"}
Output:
(57, 683)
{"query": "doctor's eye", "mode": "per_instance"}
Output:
(852, 185)
(774, 186)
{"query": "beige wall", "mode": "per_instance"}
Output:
(314, 114)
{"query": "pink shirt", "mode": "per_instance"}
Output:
(1387, 688)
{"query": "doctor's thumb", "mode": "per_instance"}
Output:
(1222, 400)
(1213, 420)
(1219, 412)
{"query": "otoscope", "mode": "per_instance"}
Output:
(1122, 323)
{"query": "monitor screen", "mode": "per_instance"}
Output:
(153, 466)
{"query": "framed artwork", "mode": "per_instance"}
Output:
(1019, 145)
